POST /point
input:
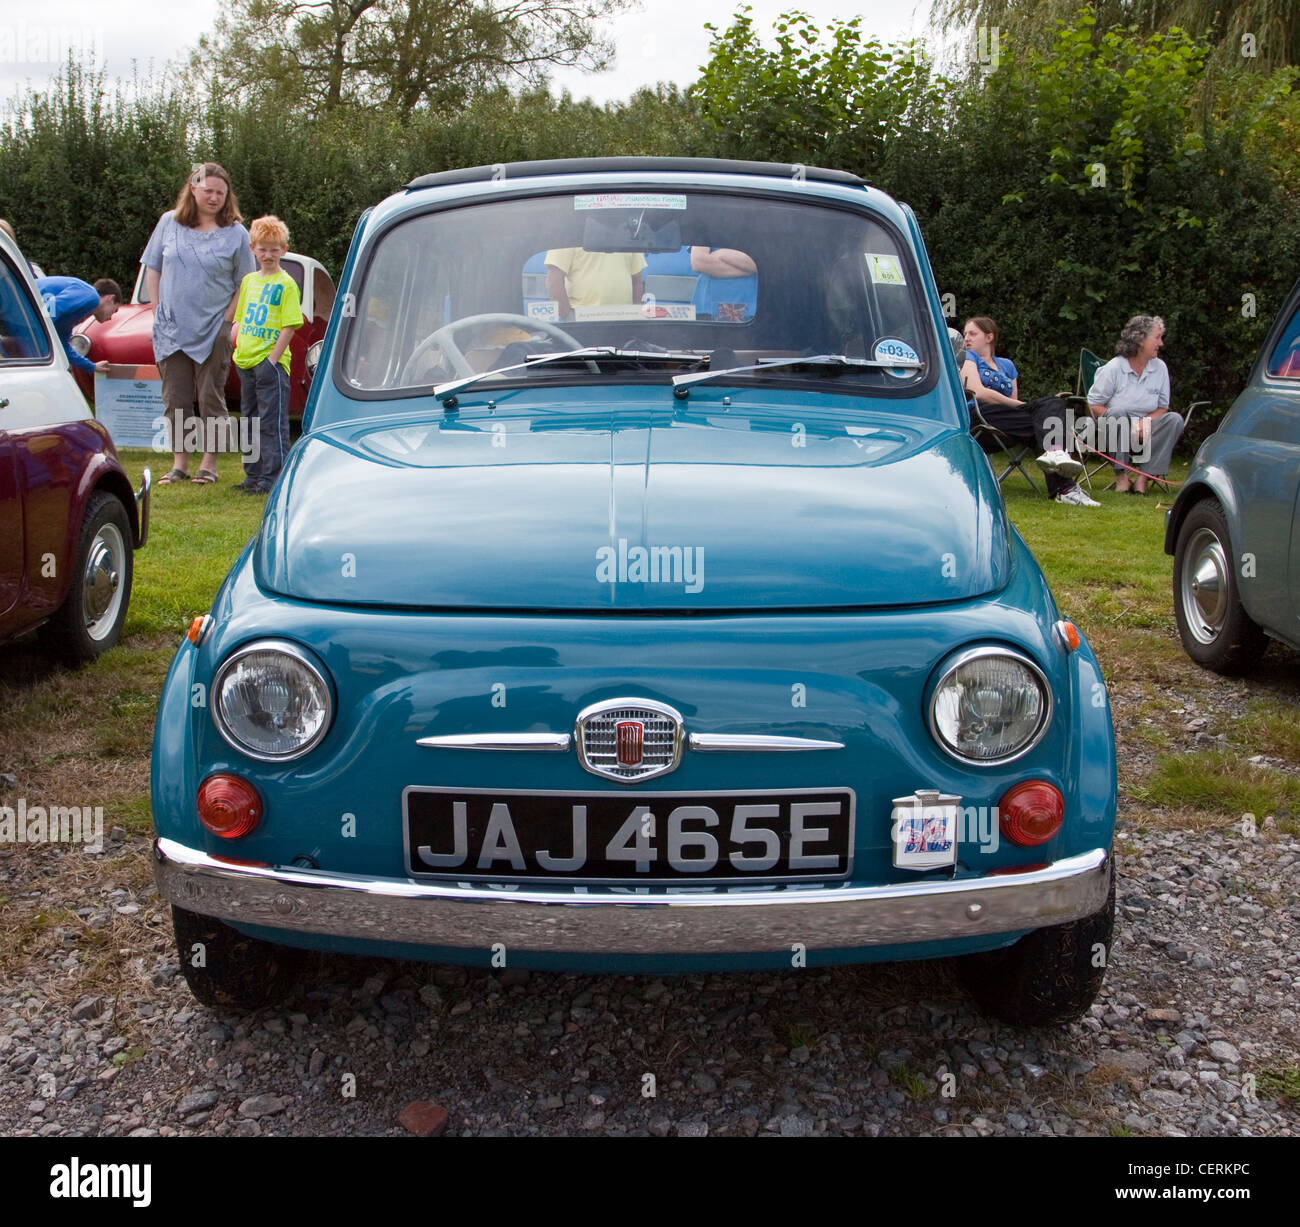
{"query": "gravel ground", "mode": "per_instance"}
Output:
(1195, 1027)
(1199, 1003)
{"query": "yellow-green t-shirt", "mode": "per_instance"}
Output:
(266, 305)
(596, 278)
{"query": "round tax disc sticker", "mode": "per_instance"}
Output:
(892, 347)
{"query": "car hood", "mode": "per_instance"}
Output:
(126, 338)
(650, 507)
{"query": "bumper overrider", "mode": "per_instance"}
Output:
(739, 920)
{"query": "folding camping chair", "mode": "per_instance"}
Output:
(1085, 420)
(1000, 446)
(1163, 482)
(994, 442)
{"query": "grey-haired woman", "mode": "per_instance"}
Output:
(1131, 395)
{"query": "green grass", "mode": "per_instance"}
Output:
(907, 1080)
(1106, 565)
(1281, 1084)
(1271, 726)
(195, 533)
(801, 1036)
(1222, 782)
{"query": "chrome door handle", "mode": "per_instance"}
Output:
(4, 402)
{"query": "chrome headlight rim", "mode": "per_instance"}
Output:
(303, 657)
(81, 343)
(954, 661)
(311, 360)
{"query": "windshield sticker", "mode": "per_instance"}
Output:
(885, 270)
(548, 309)
(892, 347)
(635, 311)
(629, 200)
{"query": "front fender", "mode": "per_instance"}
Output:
(1210, 481)
(173, 785)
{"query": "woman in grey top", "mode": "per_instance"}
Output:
(196, 258)
(1131, 391)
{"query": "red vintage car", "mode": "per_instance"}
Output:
(69, 522)
(127, 337)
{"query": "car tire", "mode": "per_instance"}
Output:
(92, 615)
(1049, 976)
(1215, 629)
(235, 971)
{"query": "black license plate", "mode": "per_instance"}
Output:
(629, 837)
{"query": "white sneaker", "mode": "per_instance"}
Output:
(1060, 462)
(1076, 498)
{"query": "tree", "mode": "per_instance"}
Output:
(834, 100)
(1265, 33)
(398, 55)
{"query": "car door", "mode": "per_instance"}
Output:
(11, 516)
(1277, 431)
(25, 358)
(37, 395)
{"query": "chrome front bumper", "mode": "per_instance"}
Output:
(738, 921)
(142, 496)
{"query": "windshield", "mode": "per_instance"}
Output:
(666, 282)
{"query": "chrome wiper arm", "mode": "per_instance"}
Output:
(445, 391)
(837, 361)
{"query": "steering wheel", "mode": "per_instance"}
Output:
(444, 339)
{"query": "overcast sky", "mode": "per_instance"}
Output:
(663, 40)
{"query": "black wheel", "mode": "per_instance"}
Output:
(91, 617)
(1216, 631)
(228, 970)
(1049, 976)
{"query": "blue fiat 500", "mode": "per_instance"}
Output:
(637, 599)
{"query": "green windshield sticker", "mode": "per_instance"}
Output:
(885, 270)
(629, 200)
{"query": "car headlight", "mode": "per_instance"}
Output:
(270, 700)
(80, 343)
(991, 705)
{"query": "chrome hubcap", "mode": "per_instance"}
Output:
(1205, 586)
(102, 582)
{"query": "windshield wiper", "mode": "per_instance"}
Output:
(834, 362)
(446, 392)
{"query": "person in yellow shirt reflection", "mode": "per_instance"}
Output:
(579, 278)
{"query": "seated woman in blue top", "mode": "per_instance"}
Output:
(995, 383)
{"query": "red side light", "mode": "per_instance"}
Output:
(229, 806)
(1031, 813)
(198, 628)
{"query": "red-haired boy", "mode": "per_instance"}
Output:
(267, 313)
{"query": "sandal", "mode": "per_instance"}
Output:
(205, 477)
(174, 476)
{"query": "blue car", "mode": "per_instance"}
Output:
(585, 631)
(1234, 530)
